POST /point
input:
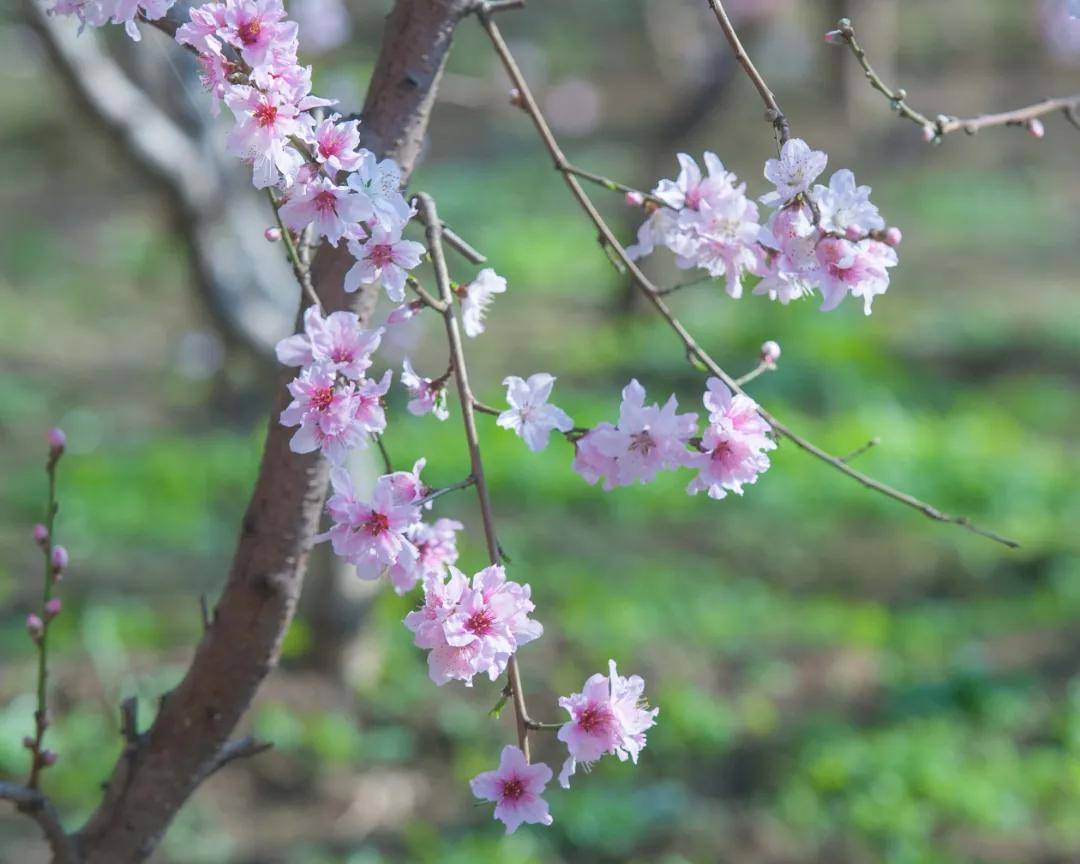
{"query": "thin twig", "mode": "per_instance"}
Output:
(760, 369)
(943, 125)
(38, 807)
(438, 493)
(423, 294)
(693, 350)
(387, 463)
(484, 408)
(302, 273)
(612, 185)
(242, 748)
(858, 451)
(461, 376)
(773, 113)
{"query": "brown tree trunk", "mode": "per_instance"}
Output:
(162, 767)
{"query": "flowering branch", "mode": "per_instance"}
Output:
(942, 125)
(653, 293)
(461, 377)
(773, 113)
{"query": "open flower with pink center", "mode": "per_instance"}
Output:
(265, 121)
(436, 547)
(721, 238)
(843, 204)
(201, 30)
(859, 268)
(476, 297)
(733, 446)
(321, 408)
(428, 395)
(335, 144)
(368, 412)
(441, 594)
(371, 536)
(515, 787)
(609, 715)
(383, 257)
(407, 485)
(529, 415)
(792, 173)
(330, 209)
(646, 440)
(486, 624)
(337, 341)
(381, 182)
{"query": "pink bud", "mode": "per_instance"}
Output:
(52, 608)
(48, 757)
(57, 440)
(770, 352)
(635, 199)
(403, 312)
(893, 235)
(28, 742)
(929, 133)
(34, 626)
(59, 559)
(1036, 128)
(272, 235)
(834, 37)
(853, 233)
(41, 534)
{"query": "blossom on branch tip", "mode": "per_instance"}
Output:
(843, 204)
(515, 787)
(336, 142)
(530, 416)
(792, 173)
(476, 297)
(383, 257)
(609, 715)
(428, 396)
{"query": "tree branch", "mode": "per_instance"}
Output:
(942, 125)
(653, 294)
(38, 807)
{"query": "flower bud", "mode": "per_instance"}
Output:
(929, 133)
(404, 312)
(52, 608)
(634, 199)
(272, 235)
(34, 626)
(516, 99)
(57, 440)
(853, 233)
(893, 236)
(834, 37)
(28, 742)
(60, 559)
(1035, 128)
(48, 757)
(41, 534)
(770, 352)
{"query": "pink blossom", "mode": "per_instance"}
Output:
(381, 182)
(515, 787)
(337, 341)
(332, 210)
(476, 297)
(368, 411)
(733, 445)
(859, 268)
(646, 440)
(57, 440)
(721, 238)
(372, 537)
(530, 416)
(383, 257)
(436, 547)
(607, 716)
(478, 632)
(320, 407)
(53, 607)
(336, 143)
(34, 626)
(41, 534)
(428, 396)
(770, 352)
(690, 188)
(254, 26)
(265, 121)
(59, 559)
(843, 204)
(792, 173)
(200, 31)
(407, 486)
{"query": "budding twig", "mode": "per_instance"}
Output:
(942, 125)
(453, 487)
(654, 295)
(858, 451)
(773, 113)
(302, 273)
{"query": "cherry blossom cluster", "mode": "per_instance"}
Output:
(648, 439)
(817, 239)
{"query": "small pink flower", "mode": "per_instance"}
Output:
(41, 534)
(336, 143)
(320, 407)
(272, 235)
(332, 210)
(59, 559)
(428, 396)
(53, 607)
(770, 352)
(792, 173)
(265, 122)
(336, 341)
(608, 716)
(515, 787)
(372, 537)
(57, 440)
(383, 257)
(436, 546)
(530, 416)
(34, 626)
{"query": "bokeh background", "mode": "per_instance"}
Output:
(840, 680)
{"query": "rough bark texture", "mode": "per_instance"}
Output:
(161, 768)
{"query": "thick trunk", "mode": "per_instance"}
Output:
(156, 773)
